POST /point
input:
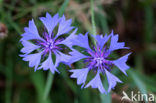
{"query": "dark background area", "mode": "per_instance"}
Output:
(133, 20)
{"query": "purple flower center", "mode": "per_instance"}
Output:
(98, 60)
(50, 44)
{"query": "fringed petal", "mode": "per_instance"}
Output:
(115, 45)
(80, 74)
(62, 58)
(31, 32)
(121, 63)
(112, 80)
(28, 47)
(50, 22)
(34, 59)
(48, 64)
(101, 40)
(64, 26)
(76, 56)
(70, 39)
(82, 41)
(96, 83)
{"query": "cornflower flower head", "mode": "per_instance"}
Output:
(39, 49)
(98, 61)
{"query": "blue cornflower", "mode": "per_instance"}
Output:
(98, 61)
(38, 49)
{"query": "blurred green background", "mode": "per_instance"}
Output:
(133, 20)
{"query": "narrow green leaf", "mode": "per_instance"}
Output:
(48, 85)
(138, 82)
(103, 21)
(139, 63)
(67, 79)
(9, 79)
(149, 23)
(61, 10)
(13, 24)
(38, 81)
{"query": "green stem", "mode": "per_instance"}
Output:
(104, 98)
(48, 85)
(50, 75)
(93, 22)
(92, 17)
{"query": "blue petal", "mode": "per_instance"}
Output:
(121, 63)
(101, 40)
(64, 26)
(82, 41)
(48, 64)
(70, 39)
(50, 22)
(76, 56)
(28, 47)
(80, 74)
(96, 83)
(34, 59)
(112, 80)
(31, 32)
(115, 45)
(62, 58)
